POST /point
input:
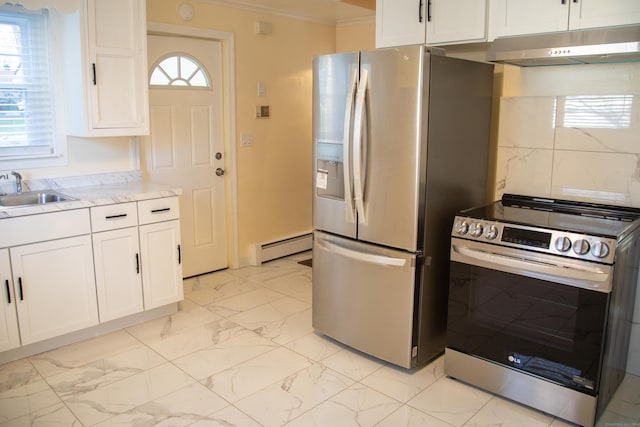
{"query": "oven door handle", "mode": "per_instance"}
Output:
(594, 277)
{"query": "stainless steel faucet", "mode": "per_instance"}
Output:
(4, 176)
(18, 181)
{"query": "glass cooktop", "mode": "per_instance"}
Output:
(565, 215)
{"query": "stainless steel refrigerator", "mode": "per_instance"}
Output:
(401, 142)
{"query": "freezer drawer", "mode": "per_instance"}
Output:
(363, 296)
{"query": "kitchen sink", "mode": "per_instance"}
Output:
(33, 198)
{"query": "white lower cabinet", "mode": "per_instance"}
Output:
(54, 287)
(66, 271)
(161, 263)
(9, 335)
(116, 256)
(137, 256)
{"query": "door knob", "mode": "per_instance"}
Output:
(219, 171)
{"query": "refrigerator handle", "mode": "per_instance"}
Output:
(362, 256)
(346, 150)
(359, 157)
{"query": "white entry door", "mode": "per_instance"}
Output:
(185, 147)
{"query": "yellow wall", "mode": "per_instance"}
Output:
(274, 175)
(356, 36)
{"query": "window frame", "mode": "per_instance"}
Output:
(158, 66)
(58, 157)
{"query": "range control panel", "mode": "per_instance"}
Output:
(567, 244)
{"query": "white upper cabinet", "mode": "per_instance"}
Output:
(407, 22)
(105, 75)
(603, 13)
(516, 17)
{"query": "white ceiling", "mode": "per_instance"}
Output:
(326, 11)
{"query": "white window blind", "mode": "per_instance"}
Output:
(598, 111)
(27, 126)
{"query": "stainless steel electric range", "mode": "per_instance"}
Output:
(541, 299)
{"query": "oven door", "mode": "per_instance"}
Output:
(536, 313)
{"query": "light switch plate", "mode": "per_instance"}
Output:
(246, 140)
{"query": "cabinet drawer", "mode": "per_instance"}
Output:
(115, 216)
(47, 226)
(156, 210)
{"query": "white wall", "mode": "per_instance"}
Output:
(541, 151)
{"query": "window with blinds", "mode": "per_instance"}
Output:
(597, 111)
(27, 121)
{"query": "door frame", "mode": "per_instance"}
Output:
(229, 121)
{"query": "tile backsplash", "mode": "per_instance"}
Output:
(573, 147)
(8, 186)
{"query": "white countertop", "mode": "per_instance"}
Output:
(95, 195)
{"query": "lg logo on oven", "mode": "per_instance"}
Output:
(515, 360)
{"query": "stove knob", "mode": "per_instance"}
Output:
(476, 230)
(580, 247)
(563, 244)
(461, 227)
(600, 250)
(491, 232)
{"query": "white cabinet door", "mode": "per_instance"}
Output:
(515, 17)
(407, 22)
(400, 22)
(161, 258)
(9, 335)
(106, 69)
(116, 50)
(599, 13)
(456, 21)
(118, 279)
(55, 287)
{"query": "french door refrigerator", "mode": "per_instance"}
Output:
(401, 140)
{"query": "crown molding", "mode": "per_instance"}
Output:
(240, 4)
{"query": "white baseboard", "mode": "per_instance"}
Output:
(273, 250)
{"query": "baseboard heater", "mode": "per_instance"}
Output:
(281, 248)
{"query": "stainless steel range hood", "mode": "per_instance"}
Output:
(602, 45)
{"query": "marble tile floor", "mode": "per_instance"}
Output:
(241, 352)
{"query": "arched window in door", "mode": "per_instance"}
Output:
(179, 70)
